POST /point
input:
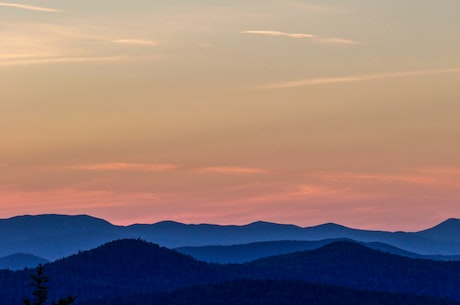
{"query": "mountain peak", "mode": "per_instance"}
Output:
(56, 218)
(449, 224)
(448, 230)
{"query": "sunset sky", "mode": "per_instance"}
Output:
(230, 112)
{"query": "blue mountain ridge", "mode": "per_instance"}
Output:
(243, 253)
(55, 236)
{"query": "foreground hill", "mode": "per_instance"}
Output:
(121, 267)
(353, 265)
(258, 292)
(56, 236)
(134, 267)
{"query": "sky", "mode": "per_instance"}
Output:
(229, 112)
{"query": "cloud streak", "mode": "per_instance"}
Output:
(317, 8)
(147, 167)
(30, 7)
(136, 42)
(354, 78)
(56, 60)
(233, 170)
(316, 38)
(278, 33)
(337, 41)
(119, 166)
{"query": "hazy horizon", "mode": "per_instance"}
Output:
(302, 112)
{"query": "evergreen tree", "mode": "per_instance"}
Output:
(40, 293)
(39, 281)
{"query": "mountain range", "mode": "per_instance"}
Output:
(132, 269)
(56, 236)
(247, 252)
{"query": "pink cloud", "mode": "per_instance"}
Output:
(355, 78)
(233, 170)
(315, 38)
(30, 7)
(449, 177)
(120, 166)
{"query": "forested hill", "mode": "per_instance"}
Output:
(353, 265)
(121, 267)
(129, 267)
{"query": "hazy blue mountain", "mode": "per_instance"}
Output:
(247, 252)
(394, 250)
(448, 230)
(252, 251)
(56, 236)
(20, 261)
(173, 234)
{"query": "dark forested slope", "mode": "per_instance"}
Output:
(252, 292)
(132, 267)
(353, 265)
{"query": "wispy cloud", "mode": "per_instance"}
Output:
(315, 38)
(138, 42)
(337, 41)
(50, 60)
(30, 7)
(317, 7)
(370, 177)
(234, 170)
(43, 43)
(16, 56)
(119, 166)
(163, 167)
(354, 78)
(428, 177)
(278, 33)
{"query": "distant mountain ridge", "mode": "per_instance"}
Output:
(248, 252)
(20, 261)
(55, 236)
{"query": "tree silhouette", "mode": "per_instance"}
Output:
(40, 293)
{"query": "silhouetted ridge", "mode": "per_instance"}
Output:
(448, 230)
(129, 266)
(243, 253)
(353, 265)
(56, 236)
(53, 223)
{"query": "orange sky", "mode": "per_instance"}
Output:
(299, 112)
